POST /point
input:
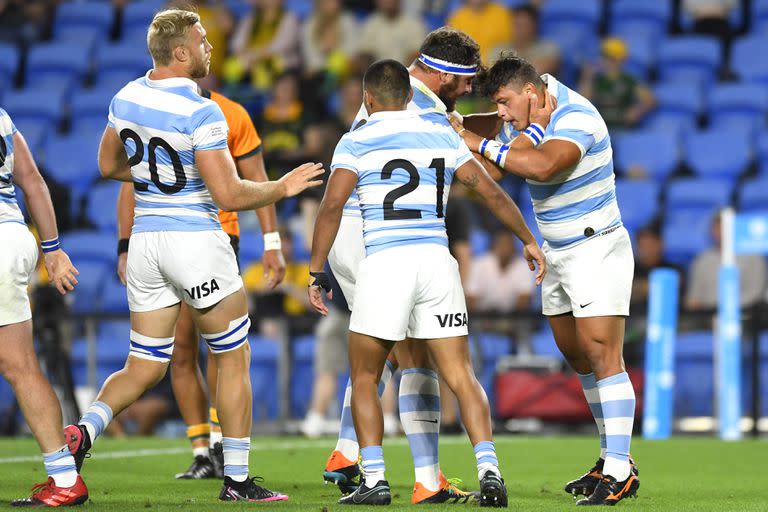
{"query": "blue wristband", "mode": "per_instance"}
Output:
(482, 146)
(50, 245)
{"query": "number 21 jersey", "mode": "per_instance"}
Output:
(162, 123)
(404, 161)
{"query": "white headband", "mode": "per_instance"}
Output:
(447, 67)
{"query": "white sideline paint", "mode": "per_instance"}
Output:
(154, 452)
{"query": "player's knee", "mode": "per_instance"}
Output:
(151, 349)
(233, 338)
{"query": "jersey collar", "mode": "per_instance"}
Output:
(418, 84)
(392, 114)
(177, 81)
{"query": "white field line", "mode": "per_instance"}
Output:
(255, 447)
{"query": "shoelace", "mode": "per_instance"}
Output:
(453, 486)
(42, 486)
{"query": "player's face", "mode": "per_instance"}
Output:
(455, 89)
(514, 105)
(200, 52)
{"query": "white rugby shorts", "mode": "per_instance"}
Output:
(409, 291)
(18, 259)
(593, 278)
(347, 252)
(166, 267)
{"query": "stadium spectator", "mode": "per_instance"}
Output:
(543, 54)
(649, 255)
(500, 281)
(620, 98)
(328, 39)
(701, 293)
(265, 44)
(390, 33)
(488, 23)
(283, 122)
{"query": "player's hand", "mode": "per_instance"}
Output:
(471, 139)
(301, 178)
(321, 283)
(122, 264)
(274, 267)
(541, 115)
(61, 271)
(532, 253)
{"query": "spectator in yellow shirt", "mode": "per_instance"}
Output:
(488, 23)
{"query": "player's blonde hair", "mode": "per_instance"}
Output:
(167, 31)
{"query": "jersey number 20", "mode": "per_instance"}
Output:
(390, 213)
(138, 156)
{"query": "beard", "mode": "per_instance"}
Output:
(447, 94)
(200, 68)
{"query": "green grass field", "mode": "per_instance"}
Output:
(678, 475)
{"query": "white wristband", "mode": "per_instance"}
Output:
(535, 132)
(272, 241)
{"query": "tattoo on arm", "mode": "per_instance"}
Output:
(471, 181)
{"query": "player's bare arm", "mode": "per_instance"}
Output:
(252, 168)
(26, 175)
(113, 160)
(543, 163)
(473, 176)
(126, 202)
(340, 186)
(230, 193)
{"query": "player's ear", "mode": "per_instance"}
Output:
(180, 53)
(410, 95)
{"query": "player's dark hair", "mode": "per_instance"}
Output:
(451, 45)
(508, 70)
(388, 81)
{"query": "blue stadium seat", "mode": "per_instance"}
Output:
(300, 8)
(9, 64)
(680, 99)
(114, 298)
(762, 153)
(745, 104)
(72, 160)
(670, 124)
(479, 241)
(760, 16)
(753, 195)
(657, 153)
(90, 246)
(685, 234)
(543, 343)
(586, 12)
(302, 374)
(110, 357)
(113, 81)
(264, 359)
(492, 347)
(743, 61)
(138, 15)
(694, 391)
(718, 153)
(689, 56)
(642, 54)
(638, 202)
(87, 294)
(34, 133)
(84, 15)
(115, 330)
(89, 109)
(100, 210)
(703, 194)
(238, 8)
(630, 15)
(39, 105)
(124, 56)
(58, 60)
(251, 247)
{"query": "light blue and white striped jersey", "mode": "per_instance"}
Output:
(425, 101)
(404, 161)
(9, 208)
(162, 124)
(581, 201)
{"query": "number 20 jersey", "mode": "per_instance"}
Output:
(162, 123)
(404, 161)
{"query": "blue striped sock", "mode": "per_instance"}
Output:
(236, 451)
(96, 419)
(60, 465)
(618, 402)
(419, 401)
(347, 443)
(373, 465)
(485, 453)
(589, 384)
